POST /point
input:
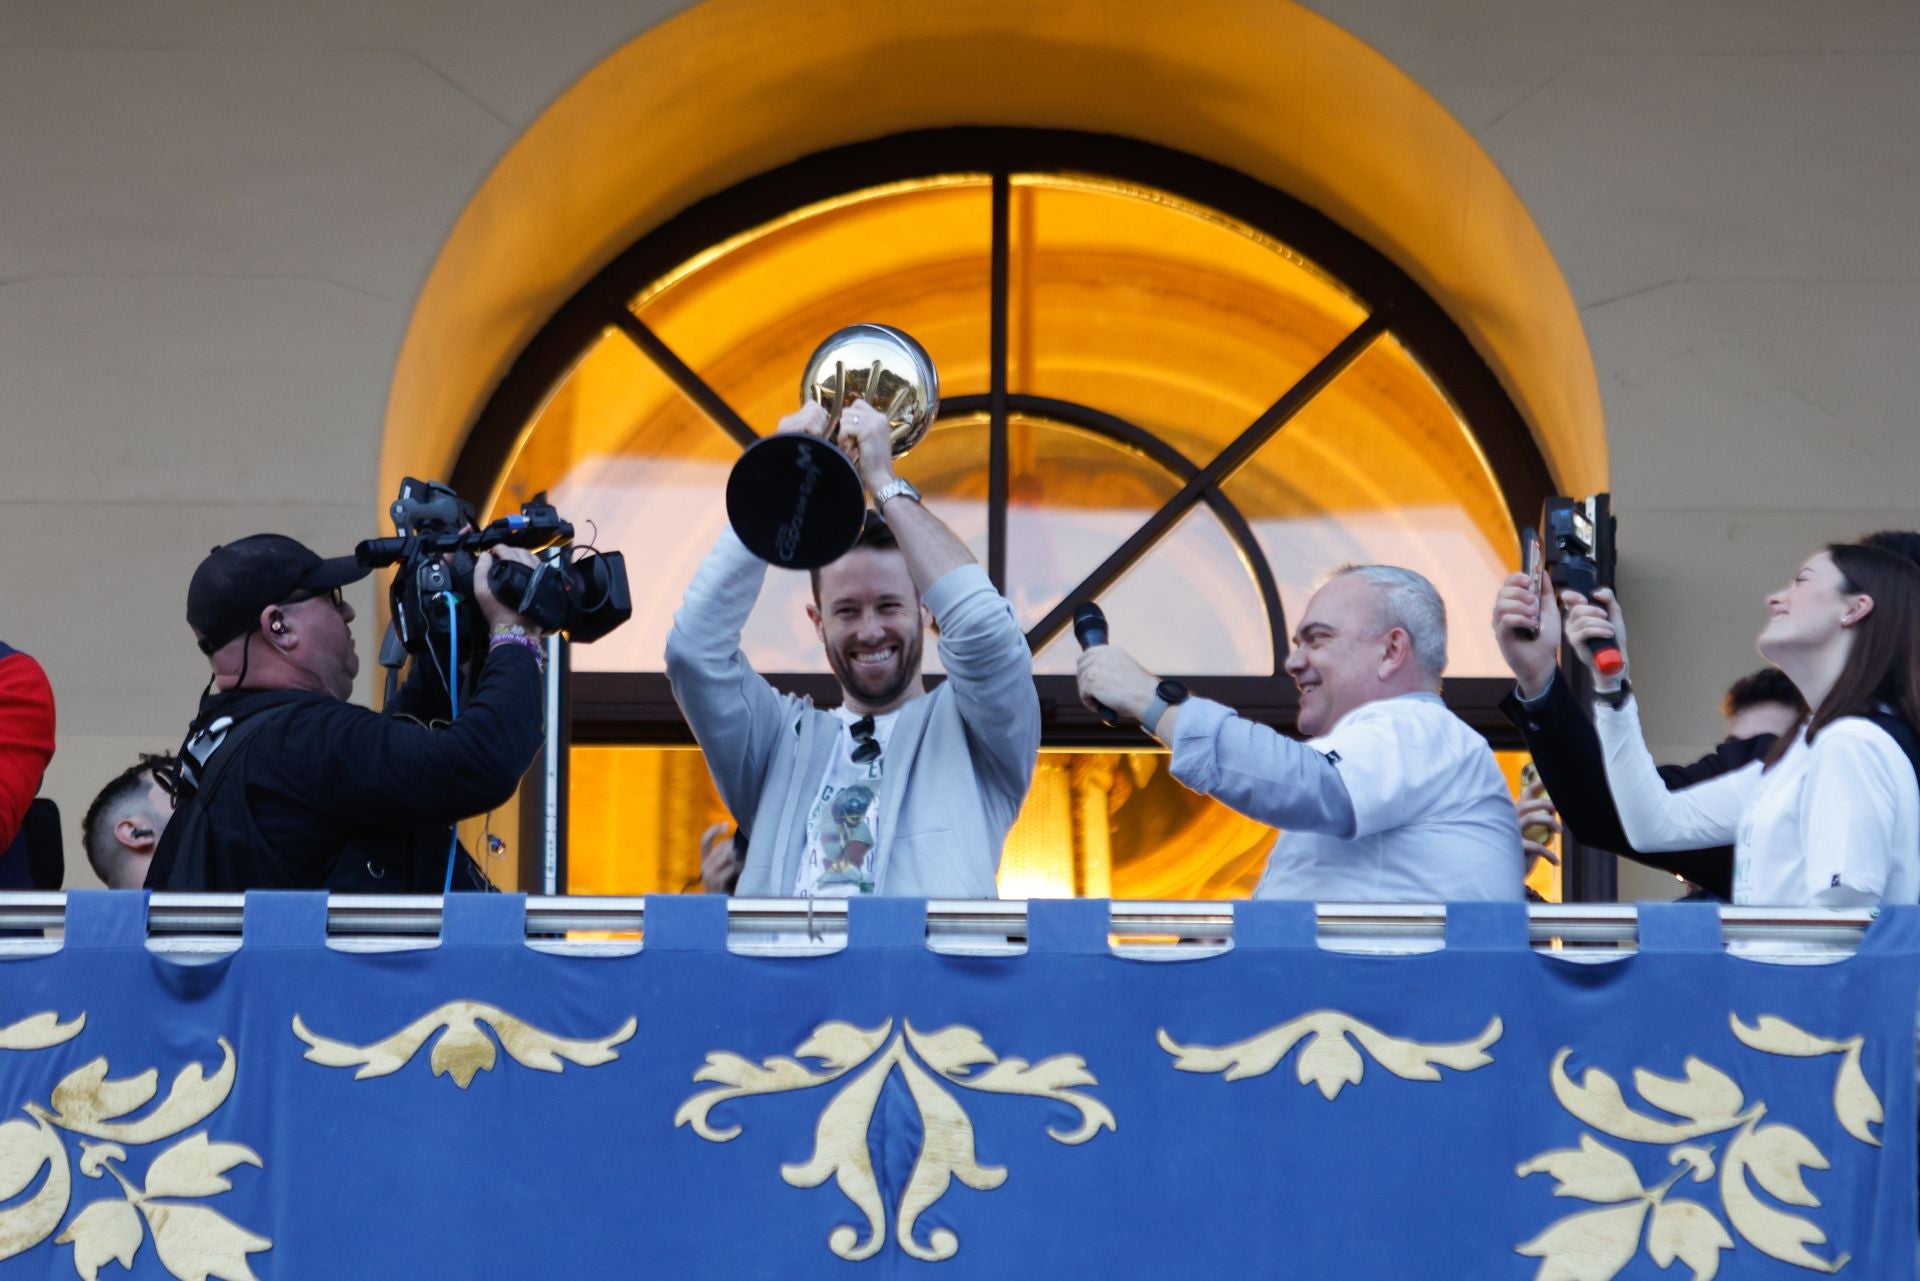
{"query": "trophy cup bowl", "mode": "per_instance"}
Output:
(796, 500)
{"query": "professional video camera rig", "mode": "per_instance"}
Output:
(579, 592)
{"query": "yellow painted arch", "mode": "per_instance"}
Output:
(732, 88)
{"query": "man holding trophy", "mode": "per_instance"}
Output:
(899, 790)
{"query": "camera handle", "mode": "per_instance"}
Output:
(501, 578)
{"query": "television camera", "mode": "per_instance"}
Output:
(580, 592)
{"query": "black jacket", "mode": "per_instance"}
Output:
(1566, 750)
(328, 795)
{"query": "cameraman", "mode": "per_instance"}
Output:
(283, 784)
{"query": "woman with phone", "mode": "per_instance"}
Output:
(1831, 816)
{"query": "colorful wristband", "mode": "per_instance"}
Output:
(518, 636)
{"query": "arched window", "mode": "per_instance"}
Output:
(1166, 386)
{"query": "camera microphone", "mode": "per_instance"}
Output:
(1090, 629)
(377, 553)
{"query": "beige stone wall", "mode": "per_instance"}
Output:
(214, 218)
(1728, 188)
(215, 215)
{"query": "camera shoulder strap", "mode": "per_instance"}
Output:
(187, 869)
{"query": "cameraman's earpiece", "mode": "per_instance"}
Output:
(277, 627)
(142, 833)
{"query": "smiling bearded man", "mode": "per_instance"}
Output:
(898, 790)
(870, 619)
(1393, 799)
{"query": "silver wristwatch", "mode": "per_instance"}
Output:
(897, 487)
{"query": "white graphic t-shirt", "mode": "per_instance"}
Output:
(843, 836)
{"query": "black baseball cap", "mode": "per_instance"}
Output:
(239, 579)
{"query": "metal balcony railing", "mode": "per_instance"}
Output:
(210, 924)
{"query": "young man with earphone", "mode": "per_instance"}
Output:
(284, 784)
(123, 825)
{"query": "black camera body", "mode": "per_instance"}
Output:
(579, 592)
(1576, 539)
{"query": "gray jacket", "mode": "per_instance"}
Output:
(958, 762)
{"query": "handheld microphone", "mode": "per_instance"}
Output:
(1090, 629)
(1089, 624)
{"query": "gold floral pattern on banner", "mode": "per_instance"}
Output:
(193, 1240)
(463, 1050)
(40, 1032)
(925, 1060)
(1595, 1245)
(1328, 1059)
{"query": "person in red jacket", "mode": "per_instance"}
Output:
(26, 745)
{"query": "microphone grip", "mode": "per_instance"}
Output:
(1107, 714)
(1090, 629)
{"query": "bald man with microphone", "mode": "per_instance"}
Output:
(1392, 798)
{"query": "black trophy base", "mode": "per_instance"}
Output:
(796, 501)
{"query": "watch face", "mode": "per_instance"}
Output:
(1171, 691)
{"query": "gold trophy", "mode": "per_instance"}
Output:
(796, 500)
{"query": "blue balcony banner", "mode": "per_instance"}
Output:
(486, 1109)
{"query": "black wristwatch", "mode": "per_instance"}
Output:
(1168, 693)
(1615, 698)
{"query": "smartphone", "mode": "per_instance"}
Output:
(1537, 832)
(1530, 566)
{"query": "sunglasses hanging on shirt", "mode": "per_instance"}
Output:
(866, 746)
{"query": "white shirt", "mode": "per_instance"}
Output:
(1845, 811)
(1433, 820)
(844, 817)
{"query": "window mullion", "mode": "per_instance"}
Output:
(1227, 462)
(997, 461)
(691, 384)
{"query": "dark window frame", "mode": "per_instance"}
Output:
(637, 708)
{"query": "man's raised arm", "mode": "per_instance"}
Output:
(932, 550)
(1243, 764)
(733, 712)
(989, 666)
